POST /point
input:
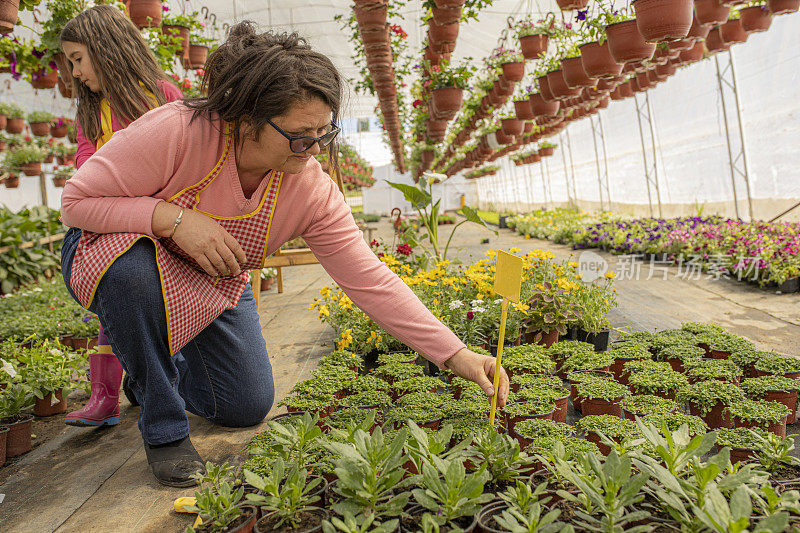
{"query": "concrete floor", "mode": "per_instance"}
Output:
(87, 480)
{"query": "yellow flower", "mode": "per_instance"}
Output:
(527, 235)
(610, 275)
(313, 304)
(573, 264)
(323, 310)
(347, 339)
(514, 250)
(325, 291)
(490, 253)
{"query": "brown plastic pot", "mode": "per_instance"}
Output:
(58, 132)
(18, 438)
(447, 100)
(523, 109)
(447, 14)
(598, 61)
(31, 169)
(742, 455)
(559, 87)
(514, 71)
(12, 182)
(787, 398)
(574, 74)
(732, 32)
(544, 90)
(698, 31)
(512, 126)
(663, 20)
(755, 19)
(780, 7)
(181, 32)
(145, 13)
(371, 16)
(600, 406)
(714, 42)
(693, 55)
(42, 407)
(264, 524)
(542, 108)
(247, 521)
(717, 417)
(198, 54)
(711, 11)
(40, 129)
(443, 34)
(9, 10)
(627, 44)
(570, 5)
(560, 414)
(632, 416)
(778, 428)
(533, 46)
(546, 339)
(718, 354)
(15, 125)
(3, 436)
(511, 422)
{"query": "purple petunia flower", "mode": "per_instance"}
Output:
(581, 15)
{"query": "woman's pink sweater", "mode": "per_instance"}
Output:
(161, 153)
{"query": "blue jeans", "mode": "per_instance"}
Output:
(223, 374)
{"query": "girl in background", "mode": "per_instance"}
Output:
(116, 79)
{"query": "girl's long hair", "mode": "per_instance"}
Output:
(123, 63)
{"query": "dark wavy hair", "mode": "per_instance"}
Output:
(121, 60)
(254, 76)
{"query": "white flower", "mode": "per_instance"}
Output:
(478, 309)
(476, 302)
(455, 304)
(8, 368)
(37, 289)
(55, 351)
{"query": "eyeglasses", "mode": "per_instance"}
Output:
(300, 143)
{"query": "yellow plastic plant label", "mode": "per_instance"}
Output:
(508, 276)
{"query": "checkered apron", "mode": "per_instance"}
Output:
(192, 298)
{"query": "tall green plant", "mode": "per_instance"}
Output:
(421, 199)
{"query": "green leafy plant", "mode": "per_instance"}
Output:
(707, 369)
(537, 428)
(707, 394)
(762, 412)
(610, 426)
(291, 439)
(587, 361)
(362, 524)
(398, 371)
(525, 513)
(286, 494)
(13, 111)
(674, 421)
(371, 475)
(367, 399)
(684, 352)
(760, 386)
(601, 389)
(341, 358)
(739, 437)
(446, 75)
(530, 358)
(217, 500)
(665, 382)
(550, 309)
(49, 369)
(611, 487)
(22, 155)
(536, 381)
(14, 399)
(778, 364)
(647, 404)
(428, 211)
(449, 492)
(528, 408)
(39, 116)
(774, 452)
(499, 455)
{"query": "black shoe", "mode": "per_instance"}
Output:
(174, 464)
(126, 388)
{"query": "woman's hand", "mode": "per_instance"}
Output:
(202, 238)
(480, 369)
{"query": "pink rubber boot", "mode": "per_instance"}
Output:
(105, 375)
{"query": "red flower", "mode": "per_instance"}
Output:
(374, 243)
(404, 249)
(470, 315)
(417, 103)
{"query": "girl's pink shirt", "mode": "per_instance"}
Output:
(86, 147)
(162, 153)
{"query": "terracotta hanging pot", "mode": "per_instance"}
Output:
(9, 13)
(198, 54)
(544, 89)
(40, 129)
(44, 80)
(371, 16)
(31, 169)
(533, 46)
(780, 7)
(559, 86)
(711, 11)
(575, 75)
(15, 125)
(442, 35)
(514, 71)
(698, 31)
(447, 100)
(145, 13)
(693, 54)
(598, 62)
(58, 131)
(665, 71)
(377, 37)
(523, 109)
(59, 182)
(570, 5)
(512, 126)
(543, 108)
(447, 15)
(675, 47)
(663, 20)
(182, 32)
(755, 18)
(11, 182)
(732, 32)
(627, 44)
(448, 3)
